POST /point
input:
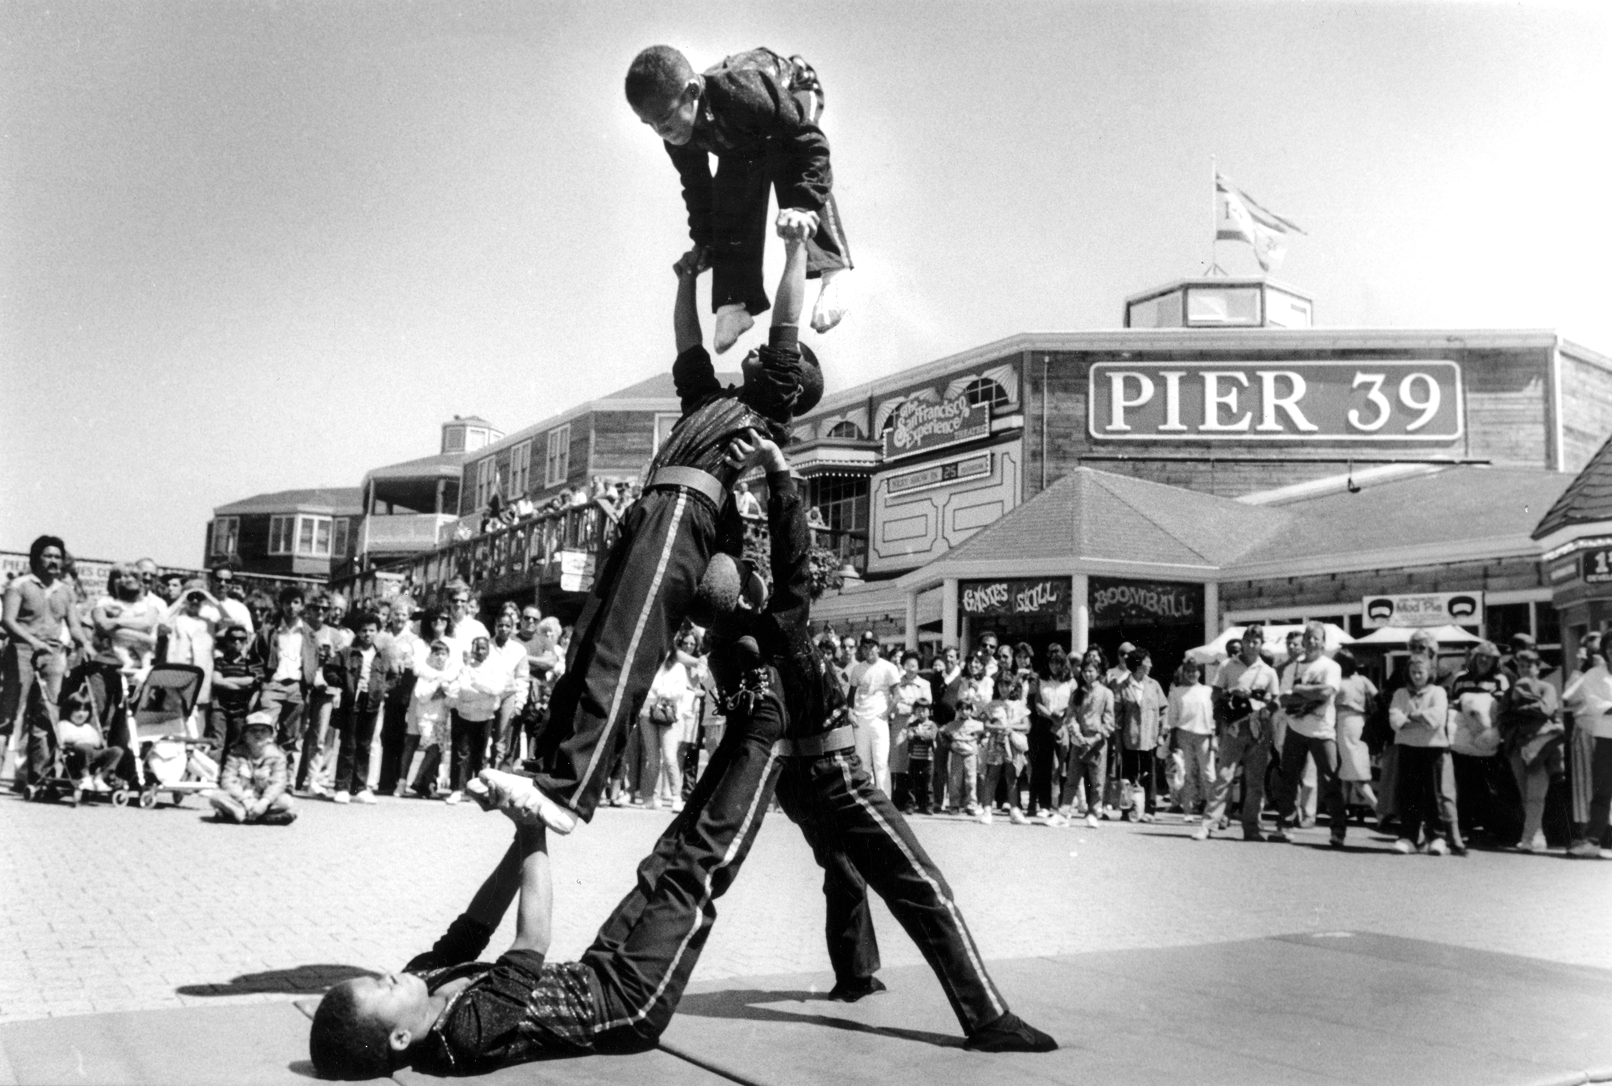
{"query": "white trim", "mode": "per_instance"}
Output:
(994, 568)
(1517, 595)
(233, 536)
(520, 468)
(1556, 403)
(1573, 538)
(1325, 611)
(290, 545)
(557, 457)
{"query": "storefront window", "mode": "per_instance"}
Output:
(843, 503)
(1504, 619)
(1547, 625)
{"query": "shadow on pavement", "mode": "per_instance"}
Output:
(744, 1004)
(300, 979)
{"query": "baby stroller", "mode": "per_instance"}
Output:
(95, 689)
(169, 756)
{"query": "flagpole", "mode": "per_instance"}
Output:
(1214, 217)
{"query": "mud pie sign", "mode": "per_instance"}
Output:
(1040, 596)
(1116, 603)
(925, 421)
(1423, 609)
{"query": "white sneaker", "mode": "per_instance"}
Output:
(732, 321)
(1056, 819)
(1201, 833)
(1093, 821)
(455, 797)
(366, 796)
(1190, 818)
(341, 797)
(1438, 847)
(985, 816)
(831, 304)
(1404, 846)
(516, 793)
(1016, 817)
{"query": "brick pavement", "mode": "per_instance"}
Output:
(110, 909)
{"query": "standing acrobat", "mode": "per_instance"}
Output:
(649, 579)
(758, 113)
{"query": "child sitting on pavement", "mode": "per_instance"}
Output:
(252, 786)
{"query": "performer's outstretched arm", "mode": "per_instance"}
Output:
(534, 922)
(685, 311)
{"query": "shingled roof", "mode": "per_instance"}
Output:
(338, 500)
(1101, 515)
(442, 465)
(1455, 505)
(661, 387)
(1587, 499)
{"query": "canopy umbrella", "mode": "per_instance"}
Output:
(1389, 636)
(1275, 638)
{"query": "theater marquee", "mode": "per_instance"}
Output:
(1276, 401)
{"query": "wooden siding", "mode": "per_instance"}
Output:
(623, 442)
(1586, 409)
(1506, 406)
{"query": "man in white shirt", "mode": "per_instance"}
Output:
(1311, 732)
(227, 591)
(872, 681)
(1245, 694)
(510, 651)
(466, 626)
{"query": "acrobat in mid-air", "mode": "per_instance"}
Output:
(758, 112)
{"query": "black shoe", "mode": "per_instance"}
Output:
(1457, 850)
(1009, 1033)
(1253, 835)
(1336, 842)
(852, 990)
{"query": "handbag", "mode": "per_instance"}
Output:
(1117, 794)
(663, 711)
(1018, 743)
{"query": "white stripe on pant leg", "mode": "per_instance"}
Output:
(912, 861)
(632, 645)
(750, 815)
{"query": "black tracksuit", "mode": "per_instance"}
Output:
(855, 832)
(648, 581)
(758, 115)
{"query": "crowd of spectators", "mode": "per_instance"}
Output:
(304, 696)
(1279, 738)
(612, 496)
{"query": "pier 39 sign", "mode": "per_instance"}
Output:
(1365, 400)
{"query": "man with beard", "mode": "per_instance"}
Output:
(38, 613)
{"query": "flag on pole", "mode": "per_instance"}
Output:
(1243, 219)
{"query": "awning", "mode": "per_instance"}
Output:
(1389, 636)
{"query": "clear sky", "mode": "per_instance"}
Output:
(248, 247)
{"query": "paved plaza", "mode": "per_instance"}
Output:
(115, 910)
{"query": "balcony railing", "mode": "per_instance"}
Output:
(402, 532)
(521, 554)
